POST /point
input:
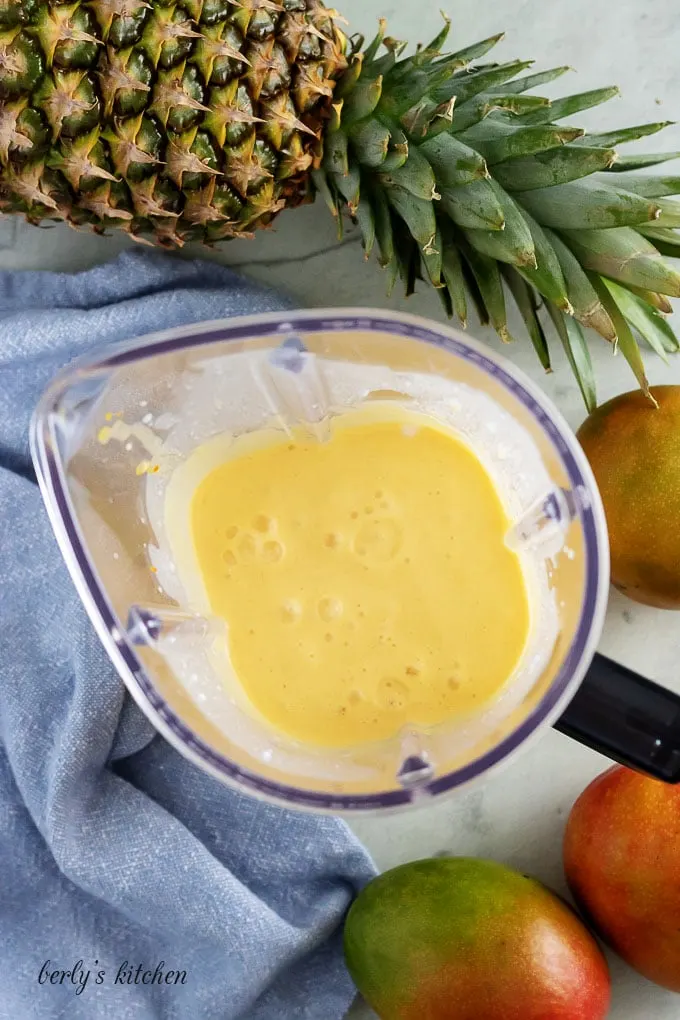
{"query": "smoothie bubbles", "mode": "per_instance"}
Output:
(342, 560)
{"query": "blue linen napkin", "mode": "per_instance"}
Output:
(133, 886)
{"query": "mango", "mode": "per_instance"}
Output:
(634, 450)
(465, 939)
(622, 862)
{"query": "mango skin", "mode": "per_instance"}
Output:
(465, 939)
(634, 451)
(622, 862)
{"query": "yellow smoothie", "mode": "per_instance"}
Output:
(364, 580)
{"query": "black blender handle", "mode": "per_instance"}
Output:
(630, 719)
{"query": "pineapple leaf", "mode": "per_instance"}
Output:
(406, 255)
(371, 50)
(547, 277)
(417, 214)
(642, 184)
(452, 271)
(398, 150)
(526, 303)
(461, 58)
(588, 308)
(645, 320)
(383, 227)
(445, 299)
(350, 77)
(386, 64)
(669, 213)
(474, 206)
(470, 113)
(431, 256)
(623, 254)
(658, 301)
(569, 105)
(336, 159)
(396, 157)
(626, 341)
(392, 274)
(370, 142)
(555, 166)
(475, 293)
(666, 241)
(578, 354)
(497, 141)
(349, 185)
(427, 119)
(321, 183)
(517, 105)
(362, 100)
(366, 219)
(588, 205)
(514, 244)
(631, 134)
(488, 278)
(453, 162)
(467, 84)
(397, 99)
(426, 54)
(415, 176)
(639, 162)
(533, 81)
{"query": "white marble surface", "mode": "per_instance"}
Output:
(517, 816)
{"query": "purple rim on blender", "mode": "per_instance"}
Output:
(568, 677)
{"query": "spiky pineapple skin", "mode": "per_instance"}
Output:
(178, 121)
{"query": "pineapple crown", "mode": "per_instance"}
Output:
(461, 178)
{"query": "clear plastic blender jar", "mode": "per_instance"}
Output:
(112, 436)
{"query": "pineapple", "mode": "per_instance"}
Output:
(202, 119)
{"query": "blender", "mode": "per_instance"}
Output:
(110, 439)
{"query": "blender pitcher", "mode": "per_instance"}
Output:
(111, 440)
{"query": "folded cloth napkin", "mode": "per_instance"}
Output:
(132, 884)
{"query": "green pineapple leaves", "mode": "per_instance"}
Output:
(623, 254)
(474, 206)
(533, 81)
(570, 105)
(588, 205)
(626, 341)
(578, 354)
(551, 168)
(526, 301)
(513, 243)
(475, 183)
(586, 304)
